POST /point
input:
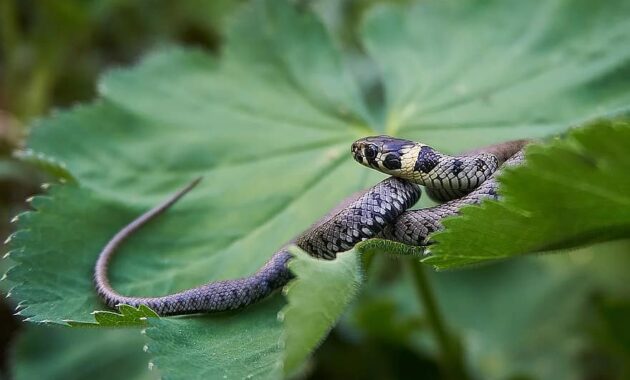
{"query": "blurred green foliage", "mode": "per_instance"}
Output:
(52, 51)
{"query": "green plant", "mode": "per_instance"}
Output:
(269, 122)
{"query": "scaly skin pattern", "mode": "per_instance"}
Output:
(445, 177)
(214, 296)
(413, 227)
(359, 219)
(379, 211)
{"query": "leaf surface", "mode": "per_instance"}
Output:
(56, 353)
(129, 316)
(316, 299)
(240, 345)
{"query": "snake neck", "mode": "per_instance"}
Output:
(425, 166)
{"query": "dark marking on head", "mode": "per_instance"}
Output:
(457, 166)
(427, 160)
(370, 151)
(392, 161)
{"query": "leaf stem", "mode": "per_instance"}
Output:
(451, 358)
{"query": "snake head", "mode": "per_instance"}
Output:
(383, 153)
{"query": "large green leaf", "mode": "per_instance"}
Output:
(475, 73)
(315, 302)
(572, 192)
(269, 173)
(269, 124)
(242, 345)
(55, 353)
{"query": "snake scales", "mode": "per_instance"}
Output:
(378, 212)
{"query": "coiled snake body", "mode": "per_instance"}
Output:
(378, 212)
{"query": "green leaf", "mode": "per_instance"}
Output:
(476, 73)
(238, 345)
(53, 268)
(56, 353)
(226, 228)
(45, 163)
(129, 316)
(316, 300)
(268, 123)
(570, 193)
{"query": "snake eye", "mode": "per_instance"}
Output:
(370, 151)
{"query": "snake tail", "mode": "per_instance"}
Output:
(215, 296)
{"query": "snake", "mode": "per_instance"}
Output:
(382, 211)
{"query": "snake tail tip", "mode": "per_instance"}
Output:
(191, 185)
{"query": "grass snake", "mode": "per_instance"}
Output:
(380, 211)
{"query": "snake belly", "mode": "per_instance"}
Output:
(378, 212)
